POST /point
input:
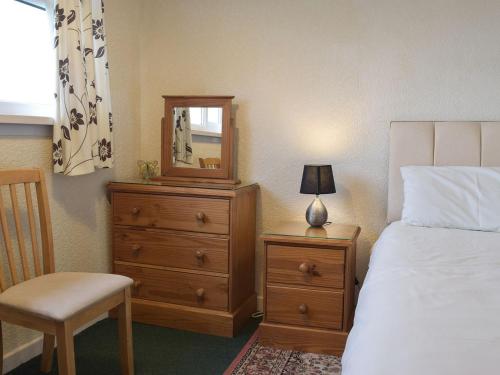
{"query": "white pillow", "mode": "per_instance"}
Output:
(452, 197)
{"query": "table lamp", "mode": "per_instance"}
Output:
(317, 179)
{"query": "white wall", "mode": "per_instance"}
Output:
(319, 81)
(80, 211)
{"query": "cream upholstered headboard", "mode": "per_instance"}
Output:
(462, 143)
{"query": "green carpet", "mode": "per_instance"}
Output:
(157, 350)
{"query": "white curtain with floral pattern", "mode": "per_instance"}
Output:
(83, 127)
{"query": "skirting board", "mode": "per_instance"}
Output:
(31, 349)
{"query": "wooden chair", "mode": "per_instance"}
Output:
(211, 163)
(54, 303)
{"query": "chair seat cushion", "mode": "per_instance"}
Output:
(58, 296)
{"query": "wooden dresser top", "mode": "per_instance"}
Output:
(159, 187)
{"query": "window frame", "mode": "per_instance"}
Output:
(40, 4)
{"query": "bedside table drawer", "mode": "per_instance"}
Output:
(304, 307)
(305, 266)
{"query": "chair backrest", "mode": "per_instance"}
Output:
(18, 179)
(211, 163)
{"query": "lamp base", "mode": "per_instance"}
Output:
(316, 213)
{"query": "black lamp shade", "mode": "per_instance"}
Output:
(317, 179)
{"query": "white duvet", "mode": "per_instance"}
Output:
(430, 304)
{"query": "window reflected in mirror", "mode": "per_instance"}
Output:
(197, 137)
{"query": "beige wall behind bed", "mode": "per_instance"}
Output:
(320, 81)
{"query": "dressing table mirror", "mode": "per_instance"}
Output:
(197, 139)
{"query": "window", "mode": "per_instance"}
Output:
(206, 120)
(27, 67)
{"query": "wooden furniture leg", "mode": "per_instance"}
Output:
(65, 349)
(1, 349)
(48, 353)
(125, 335)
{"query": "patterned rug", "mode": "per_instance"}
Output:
(255, 359)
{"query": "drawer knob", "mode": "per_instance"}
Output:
(304, 268)
(200, 216)
(135, 211)
(200, 256)
(200, 293)
(136, 248)
(137, 283)
(303, 308)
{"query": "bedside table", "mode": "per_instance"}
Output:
(309, 277)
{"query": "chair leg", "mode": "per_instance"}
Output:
(125, 335)
(65, 349)
(48, 353)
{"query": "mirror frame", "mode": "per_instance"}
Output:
(224, 174)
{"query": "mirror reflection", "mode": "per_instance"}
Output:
(197, 137)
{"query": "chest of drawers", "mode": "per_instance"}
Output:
(309, 287)
(190, 250)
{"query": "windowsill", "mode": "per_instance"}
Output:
(205, 133)
(26, 126)
(25, 120)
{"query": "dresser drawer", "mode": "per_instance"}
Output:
(171, 250)
(177, 287)
(305, 266)
(304, 307)
(207, 215)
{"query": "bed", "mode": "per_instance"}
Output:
(430, 303)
